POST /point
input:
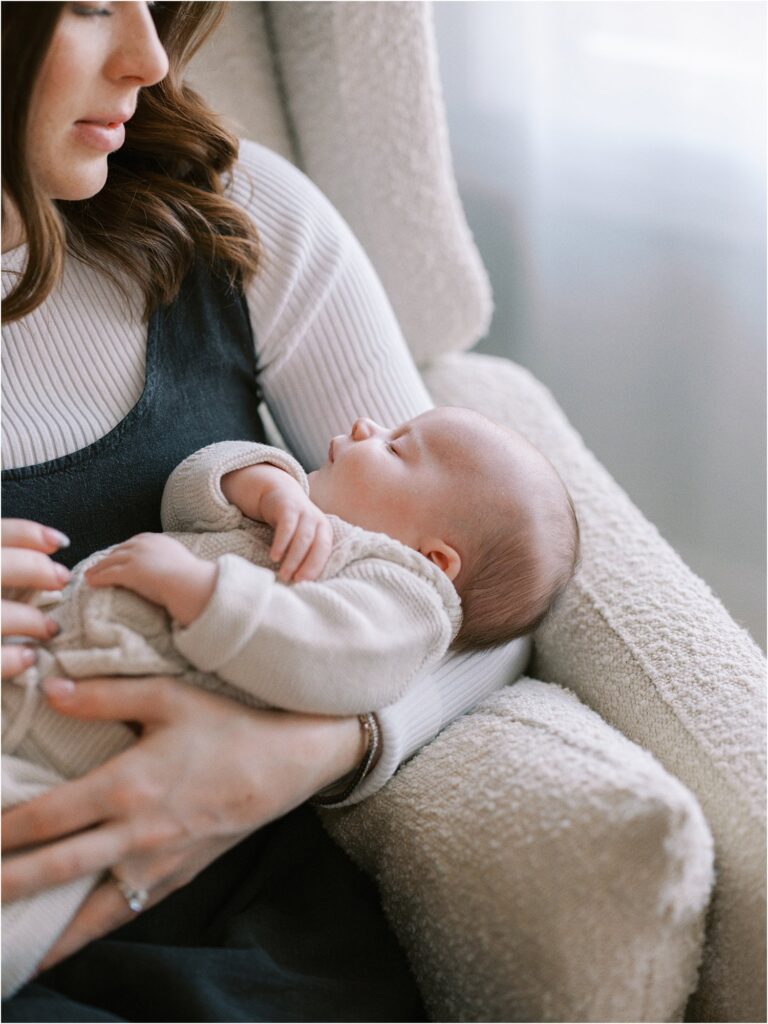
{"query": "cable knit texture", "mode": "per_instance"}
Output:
(354, 639)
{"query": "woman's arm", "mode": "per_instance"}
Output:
(328, 344)
(160, 812)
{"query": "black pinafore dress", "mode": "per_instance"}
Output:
(283, 927)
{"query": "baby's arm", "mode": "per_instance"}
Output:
(193, 501)
(336, 646)
(160, 569)
(163, 571)
(303, 537)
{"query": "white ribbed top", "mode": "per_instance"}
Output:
(329, 349)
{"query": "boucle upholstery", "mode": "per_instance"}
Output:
(637, 637)
(519, 897)
(352, 75)
(645, 643)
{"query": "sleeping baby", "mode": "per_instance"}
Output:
(326, 594)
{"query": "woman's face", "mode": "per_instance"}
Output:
(100, 56)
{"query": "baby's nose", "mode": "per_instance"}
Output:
(363, 428)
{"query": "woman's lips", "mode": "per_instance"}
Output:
(105, 137)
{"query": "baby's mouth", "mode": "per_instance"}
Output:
(330, 451)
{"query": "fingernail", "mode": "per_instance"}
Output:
(63, 574)
(52, 628)
(28, 656)
(58, 687)
(61, 540)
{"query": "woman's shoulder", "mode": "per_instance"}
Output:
(274, 191)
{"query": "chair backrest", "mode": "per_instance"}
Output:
(351, 93)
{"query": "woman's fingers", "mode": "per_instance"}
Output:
(104, 910)
(25, 568)
(24, 620)
(24, 533)
(16, 658)
(67, 808)
(146, 699)
(106, 907)
(83, 854)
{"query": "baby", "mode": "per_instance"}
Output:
(449, 530)
(476, 500)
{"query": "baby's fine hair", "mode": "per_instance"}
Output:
(506, 587)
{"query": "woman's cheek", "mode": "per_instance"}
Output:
(61, 167)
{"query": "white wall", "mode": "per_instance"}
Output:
(611, 159)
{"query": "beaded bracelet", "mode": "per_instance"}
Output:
(328, 798)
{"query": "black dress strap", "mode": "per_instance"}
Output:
(201, 386)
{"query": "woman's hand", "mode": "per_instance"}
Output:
(204, 774)
(26, 566)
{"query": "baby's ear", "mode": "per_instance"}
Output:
(443, 555)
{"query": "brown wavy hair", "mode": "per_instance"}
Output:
(163, 202)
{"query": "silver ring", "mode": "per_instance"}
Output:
(136, 899)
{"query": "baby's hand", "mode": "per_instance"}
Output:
(160, 569)
(303, 536)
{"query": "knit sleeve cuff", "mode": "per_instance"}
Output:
(193, 500)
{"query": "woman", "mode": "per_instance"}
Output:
(147, 271)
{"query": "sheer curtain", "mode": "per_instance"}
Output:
(611, 158)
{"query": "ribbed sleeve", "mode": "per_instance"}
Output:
(329, 345)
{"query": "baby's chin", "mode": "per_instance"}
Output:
(316, 489)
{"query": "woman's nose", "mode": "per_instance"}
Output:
(138, 53)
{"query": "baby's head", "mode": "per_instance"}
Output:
(472, 496)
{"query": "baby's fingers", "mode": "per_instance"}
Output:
(284, 531)
(318, 553)
(301, 542)
(108, 571)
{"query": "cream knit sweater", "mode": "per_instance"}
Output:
(354, 639)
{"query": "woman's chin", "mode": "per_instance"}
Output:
(82, 182)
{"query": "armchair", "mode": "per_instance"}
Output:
(550, 855)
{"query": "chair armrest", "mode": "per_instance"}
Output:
(538, 866)
(644, 642)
